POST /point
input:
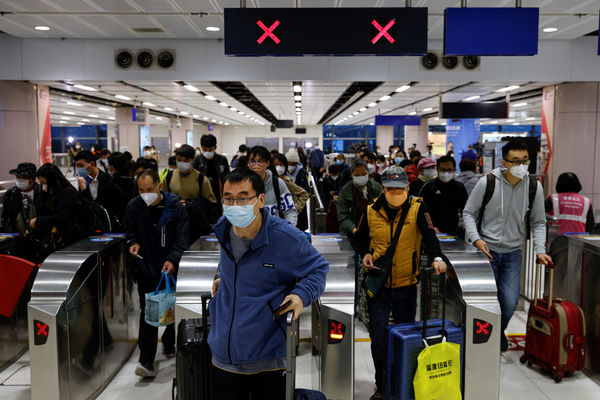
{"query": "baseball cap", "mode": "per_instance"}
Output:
(426, 162)
(395, 177)
(25, 169)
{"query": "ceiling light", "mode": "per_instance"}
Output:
(69, 112)
(508, 88)
(220, 122)
(66, 118)
(102, 122)
(516, 123)
(247, 116)
(518, 105)
(80, 123)
(63, 122)
(92, 115)
(372, 105)
(213, 28)
(209, 97)
(413, 113)
(427, 109)
(344, 119)
(168, 109)
(158, 118)
(298, 109)
(241, 113)
(111, 118)
(85, 120)
(223, 104)
(550, 30)
(226, 123)
(297, 89)
(384, 98)
(298, 98)
(510, 120)
(298, 104)
(184, 113)
(530, 119)
(42, 28)
(471, 98)
(213, 120)
(122, 97)
(350, 116)
(372, 123)
(205, 118)
(103, 109)
(195, 115)
(72, 103)
(355, 113)
(191, 88)
(83, 87)
(148, 104)
(402, 88)
(233, 109)
(363, 109)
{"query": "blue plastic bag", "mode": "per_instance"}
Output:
(160, 305)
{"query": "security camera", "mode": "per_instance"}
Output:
(178, 123)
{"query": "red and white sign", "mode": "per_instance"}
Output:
(43, 108)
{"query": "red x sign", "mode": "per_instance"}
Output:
(268, 32)
(383, 31)
(42, 329)
(482, 328)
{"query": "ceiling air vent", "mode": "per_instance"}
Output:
(147, 30)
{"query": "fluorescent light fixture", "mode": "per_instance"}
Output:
(247, 116)
(298, 109)
(69, 112)
(92, 116)
(372, 123)
(298, 104)
(241, 113)
(350, 116)
(102, 122)
(184, 113)
(220, 122)
(223, 104)
(168, 109)
(195, 115)
(213, 120)
(63, 122)
(508, 88)
(344, 119)
(384, 98)
(510, 120)
(550, 30)
(355, 113)
(413, 113)
(83, 87)
(233, 109)
(529, 118)
(42, 28)
(213, 28)
(471, 98)
(65, 118)
(516, 123)
(372, 105)
(363, 109)
(252, 119)
(297, 98)
(191, 88)
(111, 118)
(72, 103)
(148, 104)
(103, 109)
(209, 97)
(297, 88)
(518, 105)
(402, 88)
(122, 97)
(85, 120)
(205, 118)
(80, 123)
(427, 109)
(226, 123)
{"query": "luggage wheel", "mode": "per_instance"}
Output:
(522, 359)
(558, 377)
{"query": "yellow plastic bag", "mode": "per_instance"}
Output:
(438, 372)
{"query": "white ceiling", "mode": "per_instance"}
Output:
(116, 18)
(277, 96)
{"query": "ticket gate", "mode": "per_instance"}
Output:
(83, 319)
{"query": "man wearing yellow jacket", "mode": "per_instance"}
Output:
(399, 292)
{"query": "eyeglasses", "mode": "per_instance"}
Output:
(518, 162)
(242, 201)
(255, 163)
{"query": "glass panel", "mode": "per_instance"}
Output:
(327, 131)
(269, 143)
(372, 131)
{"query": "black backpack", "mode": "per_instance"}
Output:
(95, 219)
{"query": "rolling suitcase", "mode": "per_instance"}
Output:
(192, 380)
(405, 343)
(291, 393)
(555, 333)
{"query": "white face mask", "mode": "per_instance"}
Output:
(291, 168)
(280, 169)
(519, 171)
(360, 180)
(183, 166)
(208, 154)
(198, 152)
(149, 198)
(370, 168)
(429, 173)
(22, 184)
(446, 176)
(334, 177)
(380, 165)
(147, 153)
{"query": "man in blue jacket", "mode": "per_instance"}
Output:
(156, 225)
(265, 262)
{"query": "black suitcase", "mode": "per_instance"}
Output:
(192, 380)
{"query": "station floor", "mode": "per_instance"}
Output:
(517, 381)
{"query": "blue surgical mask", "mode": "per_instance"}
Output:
(240, 216)
(339, 162)
(398, 160)
(82, 172)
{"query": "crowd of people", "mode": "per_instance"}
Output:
(256, 206)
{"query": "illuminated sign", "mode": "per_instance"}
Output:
(482, 330)
(336, 332)
(325, 31)
(41, 332)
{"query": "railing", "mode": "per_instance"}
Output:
(314, 207)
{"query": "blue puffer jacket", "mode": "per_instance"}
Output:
(280, 261)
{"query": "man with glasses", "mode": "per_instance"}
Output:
(257, 275)
(498, 215)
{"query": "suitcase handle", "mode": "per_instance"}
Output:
(205, 298)
(537, 289)
(428, 271)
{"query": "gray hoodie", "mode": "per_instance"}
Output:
(286, 203)
(503, 227)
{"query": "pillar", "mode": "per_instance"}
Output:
(127, 128)
(417, 134)
(19, 140)
(385, 137)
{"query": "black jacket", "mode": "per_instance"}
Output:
(64, 213)
(110, 196)
(13, 205)
(127, 186)
(165, 242)
(216, 175)
(329, 185)
(444, 201)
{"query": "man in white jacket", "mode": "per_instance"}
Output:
(500, 230)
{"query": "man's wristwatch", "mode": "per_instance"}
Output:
(438, 259)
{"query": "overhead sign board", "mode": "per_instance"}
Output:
(325, 31)
(397, 120)
(496, 31)
(474, 110)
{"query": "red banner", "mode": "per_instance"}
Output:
(44, 124)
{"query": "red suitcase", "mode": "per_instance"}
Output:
(555, 334)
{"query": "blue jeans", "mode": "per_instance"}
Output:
(402, 302)
(507, 271)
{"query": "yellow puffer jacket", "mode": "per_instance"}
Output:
(406, 257)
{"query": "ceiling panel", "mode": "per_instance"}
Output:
(112, 5)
